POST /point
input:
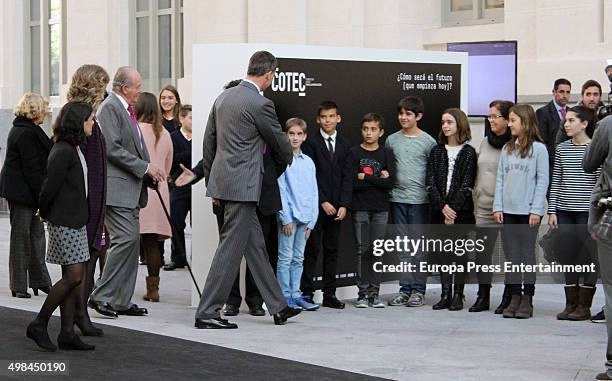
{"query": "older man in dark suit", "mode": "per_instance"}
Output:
(128, 163)
(240, 123)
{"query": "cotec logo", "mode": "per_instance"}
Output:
(292, 82)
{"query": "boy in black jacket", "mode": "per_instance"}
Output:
(373, 176)
(329, 151)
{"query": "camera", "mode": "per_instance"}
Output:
(605, 202)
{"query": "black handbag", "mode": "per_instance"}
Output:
(547, 243)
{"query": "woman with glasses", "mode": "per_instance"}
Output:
(484, 191)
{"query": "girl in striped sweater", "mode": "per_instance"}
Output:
(568, 209)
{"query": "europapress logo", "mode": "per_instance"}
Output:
(292, 82)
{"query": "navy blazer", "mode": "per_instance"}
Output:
(334, 178)
(25, 165)
(549, 123)
(62, 199)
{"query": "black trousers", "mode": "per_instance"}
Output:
(252, 295)
(179, 207)
(325, 236)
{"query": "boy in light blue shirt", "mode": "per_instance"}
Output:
(300, 201)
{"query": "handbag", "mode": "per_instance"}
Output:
(547, 243)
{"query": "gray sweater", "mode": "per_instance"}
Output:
(522, 182)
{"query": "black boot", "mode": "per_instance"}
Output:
(483, 300)
(505, 302)
(447, 292)
(70, 341)
(457, 302)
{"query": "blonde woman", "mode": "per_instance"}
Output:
(21, 179)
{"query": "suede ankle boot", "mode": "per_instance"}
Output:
(571, 301)
(583, 309)
(525, 310)
(510, 311)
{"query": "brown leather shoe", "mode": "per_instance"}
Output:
(152, 289)
(525, 309)
(571, 301)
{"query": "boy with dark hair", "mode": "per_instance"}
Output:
(409, 199)
(329, 151)
(373, 175)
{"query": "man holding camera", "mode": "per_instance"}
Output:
(599, 153)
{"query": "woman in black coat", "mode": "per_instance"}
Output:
(21, 178)
(451, 174)
(63, 204)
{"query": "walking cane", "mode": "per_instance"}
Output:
(173, 233)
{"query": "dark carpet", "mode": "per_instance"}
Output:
(124, 354)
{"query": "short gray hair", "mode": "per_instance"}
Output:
(123, 77)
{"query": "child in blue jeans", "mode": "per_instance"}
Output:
(300, 201)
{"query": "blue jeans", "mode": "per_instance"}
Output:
(291, 259)
(402, 216)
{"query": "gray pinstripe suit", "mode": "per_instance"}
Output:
(127, 159)
(239, 123)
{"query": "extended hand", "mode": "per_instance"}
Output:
(307, 231)
(534, 220)
(186, 177)
(384, 174)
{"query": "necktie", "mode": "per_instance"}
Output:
(135, 123)
(330, 146)
(562, 111)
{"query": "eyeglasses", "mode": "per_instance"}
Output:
(493, 116)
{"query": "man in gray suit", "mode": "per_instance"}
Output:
(128, 163)
(241, 122)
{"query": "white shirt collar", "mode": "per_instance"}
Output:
(185, 135)
(254, 84)
(123, 101)
(325, 136)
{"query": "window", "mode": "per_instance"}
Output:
(158, 40)
(45, 46)
(470, 12)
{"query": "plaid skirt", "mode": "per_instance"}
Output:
(67, 246)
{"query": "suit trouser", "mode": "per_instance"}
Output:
(327, 233)
(27, 250)
(121, 268)
(179, 207)
(605, 265)
(241, 235)
(252, 295)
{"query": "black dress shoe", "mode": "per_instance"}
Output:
(288, 312)
(214, 323)
(134, 310)
(257, 311)
(173, 266)
(39, 334)
(103, 308)
(17, 294)
(72, 342)
(332, 302)
(45, 289)
(230, 310)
